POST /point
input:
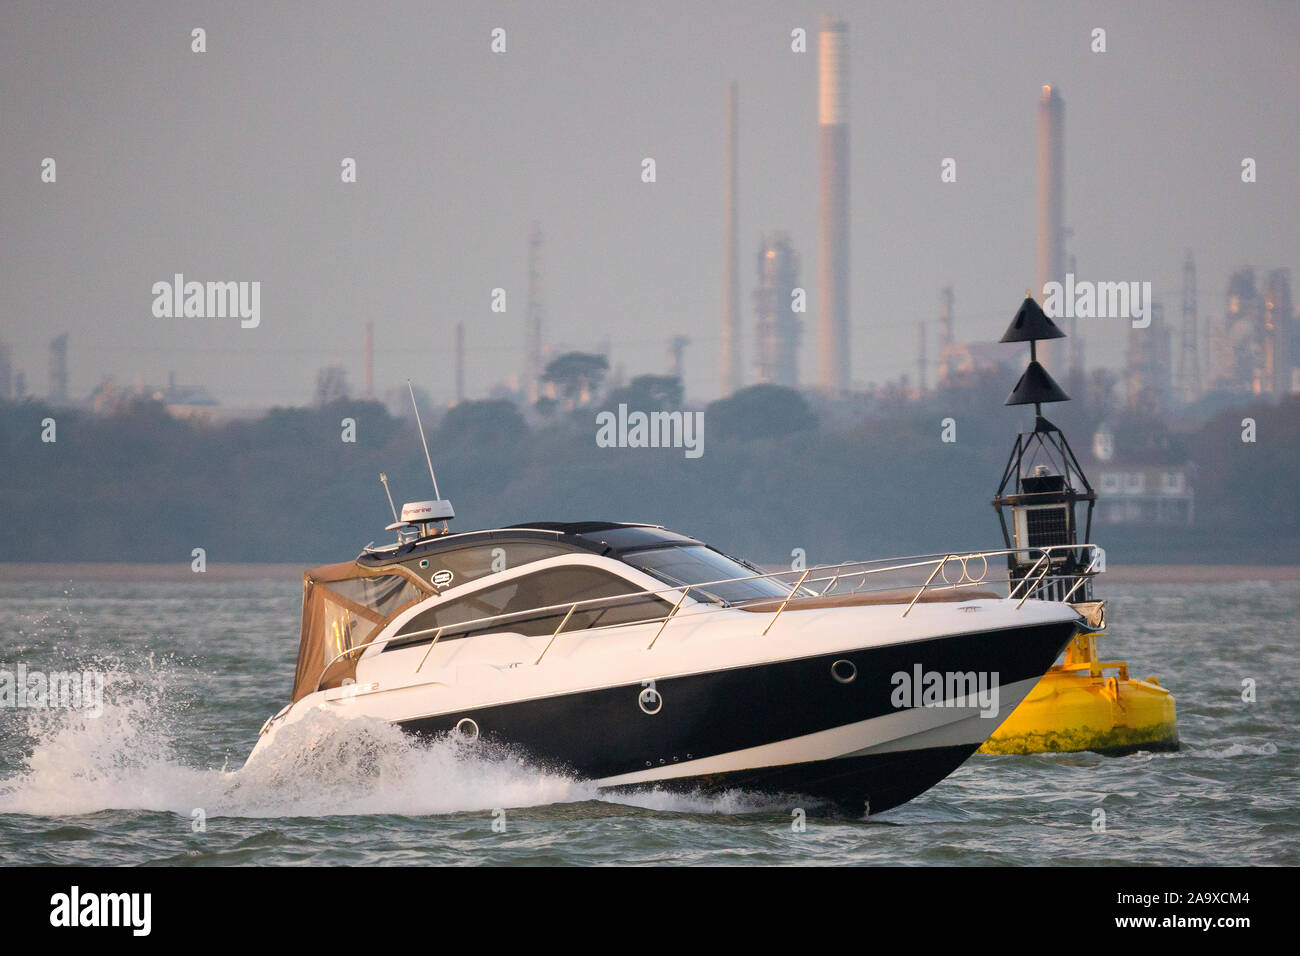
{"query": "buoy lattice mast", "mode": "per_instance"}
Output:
(1043, 484)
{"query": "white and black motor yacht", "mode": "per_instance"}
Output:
(637, 657)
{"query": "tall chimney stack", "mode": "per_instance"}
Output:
(370, 360)
(945, 316)
(921, 361)
(730, 353)
(833, 252)
(533, 330)
(1051, 198)
(460, 362)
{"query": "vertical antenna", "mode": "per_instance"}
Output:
(384, 479)
(420, 426)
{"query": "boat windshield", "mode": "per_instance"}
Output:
(698, 564)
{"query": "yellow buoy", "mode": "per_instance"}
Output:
(1089, 704)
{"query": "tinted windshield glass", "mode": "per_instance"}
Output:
(610, 600)
(696, 564)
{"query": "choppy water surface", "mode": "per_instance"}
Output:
(195, 668)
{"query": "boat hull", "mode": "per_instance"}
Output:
(789, 726)
(851, 786)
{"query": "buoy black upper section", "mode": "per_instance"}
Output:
(1036, 387)
(1031, 324)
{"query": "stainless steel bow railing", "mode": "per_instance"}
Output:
(957, 570)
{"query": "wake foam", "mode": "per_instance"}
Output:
(129, 758)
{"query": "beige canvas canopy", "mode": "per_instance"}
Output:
(343, 607)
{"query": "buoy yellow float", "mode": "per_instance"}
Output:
(1086, 703)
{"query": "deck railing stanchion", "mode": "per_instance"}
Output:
(556, 634)
(667, 619)
(786, 601)
(917, 596)
(432, 644)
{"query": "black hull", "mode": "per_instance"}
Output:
(849, 786)
(603, 733)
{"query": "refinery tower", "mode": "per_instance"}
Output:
(833, 247)
(1051, 199)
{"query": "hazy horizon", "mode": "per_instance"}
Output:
(226, 166)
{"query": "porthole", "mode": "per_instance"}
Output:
(650, 701)
(844, 671)
(467, 728)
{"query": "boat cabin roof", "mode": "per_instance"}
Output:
(611, 538)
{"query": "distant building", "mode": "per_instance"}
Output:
(59, 369)
(960, 364)
(1138, 494)
(778, 328)
(187, 402)
(213, 414)
(1256, 345)
(1144, 494)
(1149, 367)
(173, 394)
(106, 397)
(192, 402)
(1103, 443)
(1281, 335)
(331, 384)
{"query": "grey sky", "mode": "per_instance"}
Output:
(225, 165)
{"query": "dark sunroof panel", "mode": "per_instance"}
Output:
(630, 538)
(573, 527)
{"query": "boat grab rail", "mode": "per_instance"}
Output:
(833, 572)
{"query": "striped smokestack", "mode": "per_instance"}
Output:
(833, 250)
(1051, 198)
(730, 356)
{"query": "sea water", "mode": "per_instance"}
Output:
(192, 669)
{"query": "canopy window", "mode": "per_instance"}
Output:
(343, 607)
(612, 600)
(461, 565)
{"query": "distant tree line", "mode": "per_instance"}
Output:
(778, 473)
